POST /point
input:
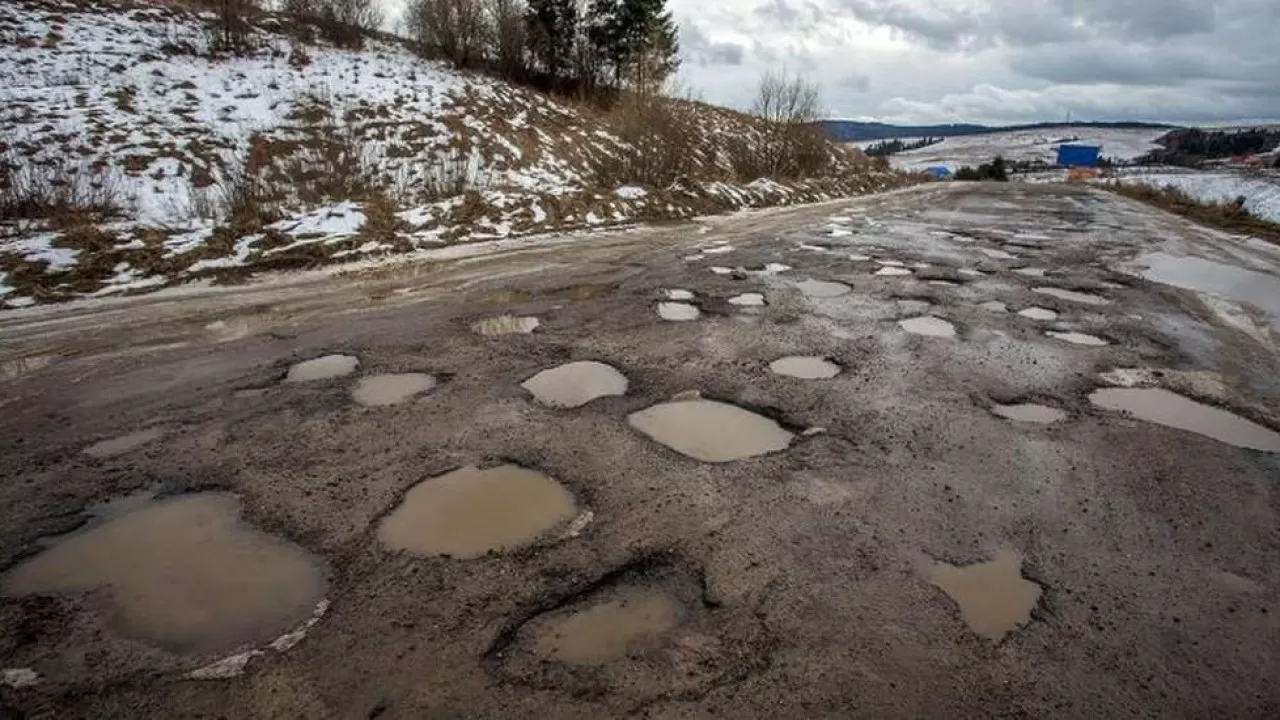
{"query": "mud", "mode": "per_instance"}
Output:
(609, 630)
(1172, 410)
(125, 443)
(575, 384)
(1077, 338)
(322, 368)
(1072, 296)
(710, 431)
(805, 367)
(1029, 412)
(822, 288)
(993, 597)
(505, 325)
(383, 390)
(929, 326)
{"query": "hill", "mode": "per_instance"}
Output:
(853, 131)
(135, 157)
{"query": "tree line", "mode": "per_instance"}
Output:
(1193, 145)
(884, 148)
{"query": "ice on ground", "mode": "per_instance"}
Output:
(1261, 193)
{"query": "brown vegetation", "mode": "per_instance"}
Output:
(1227, 216)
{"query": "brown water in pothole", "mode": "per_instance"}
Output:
(1029, 412)
(928, 325)
(184, 573)
(323, 368)
(125, 443)
(575, 384)
(1166, 408)
(382, 390)
(710, 431)
(505, 325)
(1073, 295)
(805, 367)
(609, 630)
(470, 512)
(993, 597)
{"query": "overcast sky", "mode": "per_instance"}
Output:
(995, 61)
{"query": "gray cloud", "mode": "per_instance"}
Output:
(697, 48)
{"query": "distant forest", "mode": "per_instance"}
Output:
(1193, 146)
(885, 148)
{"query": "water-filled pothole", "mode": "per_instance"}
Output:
(609, 630)
(1038, 313)
(997, 254)
(822, 288)
(993, 597)
(575, 384)
(678, 312)
(183, 573)
(679, 294)
(928, 325)
(994, 306)
(322, 368)
(470, 512)
(125, 443)
(505, 325)
(1163, 407)
(710, 431)
(747, 300)
(1078, 338)
(1072, 295)
(391, 389)
(805, 367)
(892, 271)
(1029, 412)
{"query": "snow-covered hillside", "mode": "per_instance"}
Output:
(1260, 189)
(120, 98)
(1027, 146)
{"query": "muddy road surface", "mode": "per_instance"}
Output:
(964, 450)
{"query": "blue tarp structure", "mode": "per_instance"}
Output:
(1078, 155)
(942, 172)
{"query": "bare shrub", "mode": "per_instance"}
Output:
(231, 30)
(455, 30)
(661, 140)
(508, 38)
(793, 144)
(65, 194)
(453, 173)
(244, 199)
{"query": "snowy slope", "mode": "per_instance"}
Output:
(1027, 146)
(1261, 190)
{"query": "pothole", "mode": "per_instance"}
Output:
(710, 431)
(747, 300)
(125, 443)
(1038, 313)
(470, 512)
(994, 306)
(928, 325)
(678, 312)
(1072, 295)
(1029, 412)
(720, 270)
(892, 271)
(505, 325)
(1170, 409)
(1078, 338)
(855, 257)
(391, 389)
(822, 288)
(575, 384)
(993, 597)
(997, 254)
(183, 573)
(322, 368)
(609, 630)
(679, 294)
(891, 263)
(1031, 271)
(805, 367)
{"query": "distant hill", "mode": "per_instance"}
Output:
(852, 131)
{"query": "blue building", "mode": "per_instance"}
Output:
(1079, 155)
(942, 172)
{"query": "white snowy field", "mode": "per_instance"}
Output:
(1260, 189)
(1027, 146)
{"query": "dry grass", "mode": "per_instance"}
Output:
(1226, 216)
(66, 196)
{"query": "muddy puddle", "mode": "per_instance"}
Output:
(1078, 338)
(391, 389)
(1029, 412)
(1038, 313)
(1031, 271)
(323, 368)
(505, 325)
(997, 254)
(575, 384)
(679, 294)
(1167, 408)
(470, 512)
(928, 325)
(125, 443)
(822, 288)
(183, 573)
(805, 367)
(892, 271)
(993, 597)
(994, 306)
(710, 431)
(1072, 295)
(1193, 273)
(678, 312)
(747, 300)
(608, 630)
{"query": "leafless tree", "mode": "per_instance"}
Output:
(456, 30)
(230, 30)
(506, 18)
(793, 144)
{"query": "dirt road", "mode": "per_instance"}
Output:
(1003, 474)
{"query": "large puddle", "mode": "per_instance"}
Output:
(890, 271)
(1162, 407)
(928, 325)
(1078, 338)
(382, 390)
(575, 384)
(323, 368)
(1192, 273)
(183, 573)
(505, 325)
(710, 431)
(470, 512)
(993, 597)
(1029, 412)
(750, 299)
(805, 367)
(1038, 313)
(822, 288)
(678, 312)
(125, 443)
(609, 630)
(1072, 295)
